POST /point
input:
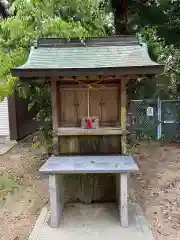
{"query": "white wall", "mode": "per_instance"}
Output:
(4, 118)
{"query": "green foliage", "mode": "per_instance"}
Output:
(39, 95)
(163, 15)
(159, 24)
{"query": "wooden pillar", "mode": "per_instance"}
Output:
(55, 98)
(121, 181)
(123, 115)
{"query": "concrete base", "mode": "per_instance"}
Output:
(4, 139)
(7, 146)
(91, 222)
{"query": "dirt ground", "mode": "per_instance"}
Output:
(23, 206)
(157, 188)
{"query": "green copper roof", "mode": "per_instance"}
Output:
(95, 53)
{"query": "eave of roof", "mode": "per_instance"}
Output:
(119, 71)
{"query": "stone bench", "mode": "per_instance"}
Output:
(57, 166)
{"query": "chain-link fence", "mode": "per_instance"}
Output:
(154, 119)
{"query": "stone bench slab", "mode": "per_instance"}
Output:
(89, 164)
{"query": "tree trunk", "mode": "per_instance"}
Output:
(3, 10)
(120, 16)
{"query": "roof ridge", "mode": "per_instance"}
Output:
(90, 41)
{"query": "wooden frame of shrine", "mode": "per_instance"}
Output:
(88, 91)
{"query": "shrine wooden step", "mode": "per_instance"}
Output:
(75, 131)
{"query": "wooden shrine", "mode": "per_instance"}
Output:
(88, 90)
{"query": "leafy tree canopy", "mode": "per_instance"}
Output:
(32, 19)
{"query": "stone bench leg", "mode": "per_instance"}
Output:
(56, 192)
(121, 195)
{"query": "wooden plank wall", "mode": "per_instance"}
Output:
(21, 120)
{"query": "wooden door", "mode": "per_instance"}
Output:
(103, 103)
(82, 101)
(109, 106)
(95, 103)
(68, 108)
